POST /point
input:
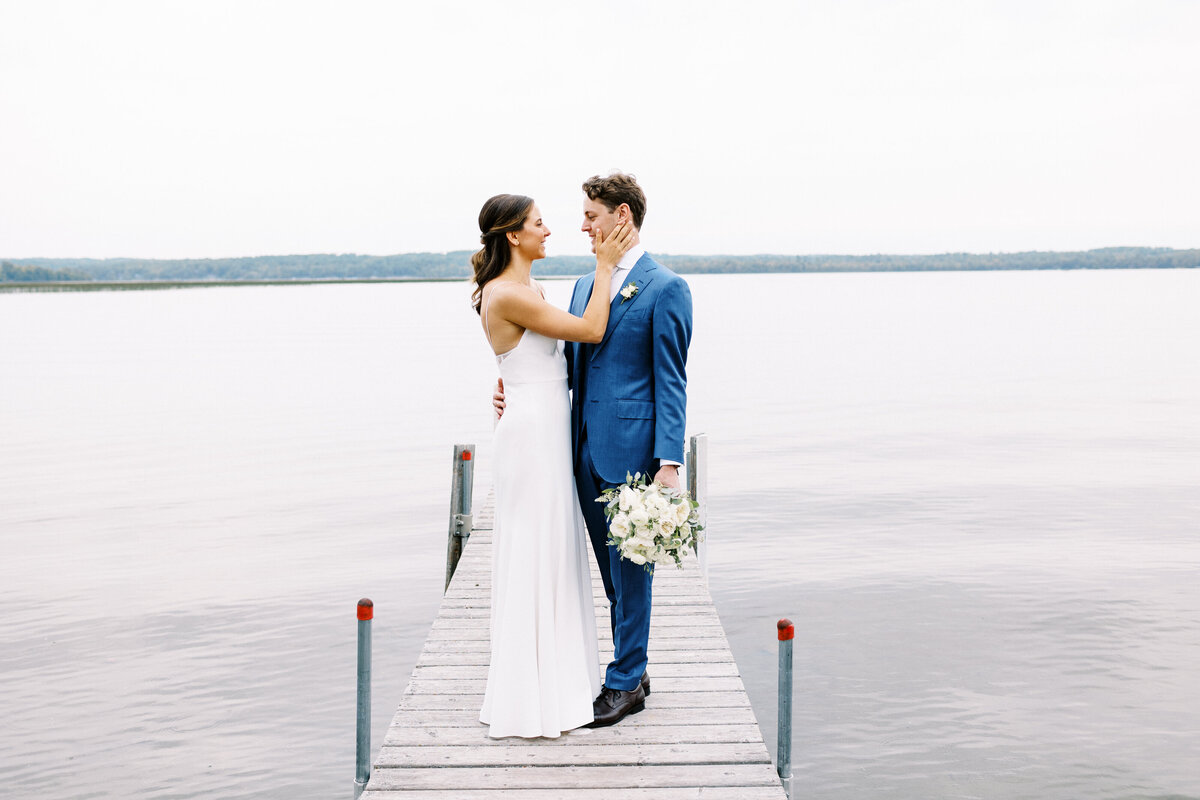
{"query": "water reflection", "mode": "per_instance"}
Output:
(974, 494)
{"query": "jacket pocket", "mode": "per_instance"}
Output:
(635, 409)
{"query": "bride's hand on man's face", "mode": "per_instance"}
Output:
(610, 249)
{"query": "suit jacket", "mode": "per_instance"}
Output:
(629, 392)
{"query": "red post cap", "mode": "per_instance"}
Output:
(466, 455)
(786, 630)
(366, 609)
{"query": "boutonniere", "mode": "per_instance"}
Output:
(628, 291)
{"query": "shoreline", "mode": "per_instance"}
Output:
(14, 287)
(139, 285)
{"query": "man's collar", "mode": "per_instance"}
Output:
(632, 257)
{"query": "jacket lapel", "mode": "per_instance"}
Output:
(641, 275)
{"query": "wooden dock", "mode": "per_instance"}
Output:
(697, 739)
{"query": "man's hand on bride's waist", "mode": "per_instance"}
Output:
(498, 398)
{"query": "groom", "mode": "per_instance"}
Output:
(627, 416)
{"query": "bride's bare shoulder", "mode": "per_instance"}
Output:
(506, 294)
(515, 289)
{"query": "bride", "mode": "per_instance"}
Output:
(544, 668)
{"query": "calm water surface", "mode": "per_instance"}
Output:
(977, 495)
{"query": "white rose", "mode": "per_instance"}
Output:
(640, 539)
(638, 518)
(665, 527)
(620, 526)
(628, 498)
(636, 558)
(658, 505)
(682, 512)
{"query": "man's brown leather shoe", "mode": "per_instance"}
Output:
(613, 705)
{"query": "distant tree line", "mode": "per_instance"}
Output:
(19, 273)
(1106, 258)
(456, 265)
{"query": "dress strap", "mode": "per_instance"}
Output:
(487, 331)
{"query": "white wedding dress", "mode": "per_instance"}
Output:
(544, 671)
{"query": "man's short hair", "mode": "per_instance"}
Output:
(618, 188)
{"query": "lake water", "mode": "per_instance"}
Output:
(976, 495)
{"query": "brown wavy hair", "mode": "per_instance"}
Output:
(501, 214)
(617, 188)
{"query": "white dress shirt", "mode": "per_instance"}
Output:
(621, 272)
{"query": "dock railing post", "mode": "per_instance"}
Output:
(697, 477)
(362, 744)
(783, 760)
(461, 486)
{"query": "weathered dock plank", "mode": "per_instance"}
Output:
(683, 718)
(670, 793)
(660, 699)
(674, 657)
(622, 777)
(697, 739)
(462, 671)
(440, 731)
(629, 753)
(420, 685)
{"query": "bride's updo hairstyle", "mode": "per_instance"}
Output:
(501, 214)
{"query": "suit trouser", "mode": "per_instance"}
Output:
(627, 585)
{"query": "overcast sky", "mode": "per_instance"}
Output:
(208, 129)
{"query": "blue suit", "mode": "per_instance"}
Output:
(628, 412)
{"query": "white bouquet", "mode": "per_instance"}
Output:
(651, 523)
